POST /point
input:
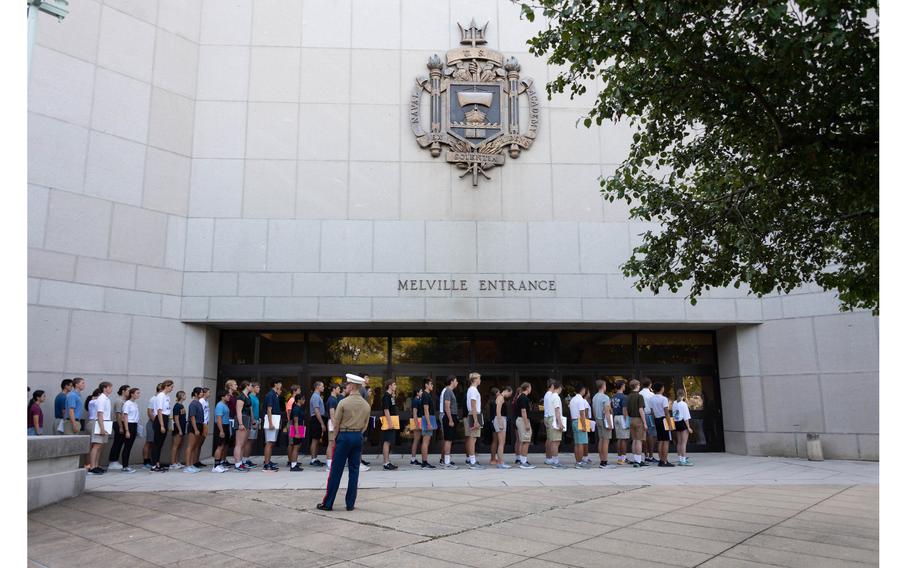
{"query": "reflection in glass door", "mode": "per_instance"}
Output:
(699, 392)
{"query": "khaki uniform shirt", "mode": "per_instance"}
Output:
(352, 414)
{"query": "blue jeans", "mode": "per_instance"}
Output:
(348, 448)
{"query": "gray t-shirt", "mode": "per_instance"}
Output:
(316, 405)
(449, 395)
(118, 406)
(597, 403)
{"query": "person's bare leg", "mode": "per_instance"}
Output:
(385, 452)
(502, 446)
(494, 445)
(425, 448)
(176, 441)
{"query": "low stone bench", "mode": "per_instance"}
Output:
(54, 473)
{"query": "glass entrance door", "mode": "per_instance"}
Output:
(699, 394)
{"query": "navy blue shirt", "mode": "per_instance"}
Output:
(195, 409)
(298, 413)
(59, 405)
(272, 401)
(618, 402)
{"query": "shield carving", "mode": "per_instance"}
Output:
(475, 111)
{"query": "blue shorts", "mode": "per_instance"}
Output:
(652, 429)
(578, 436)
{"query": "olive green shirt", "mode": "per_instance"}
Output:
(636, 401)
(352, 414)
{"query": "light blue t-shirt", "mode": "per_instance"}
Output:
(74, 401)
(254, 402)
(222, 411)
(316, 405)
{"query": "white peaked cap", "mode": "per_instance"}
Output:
(355, 379)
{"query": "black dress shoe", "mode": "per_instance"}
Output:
(322, 507)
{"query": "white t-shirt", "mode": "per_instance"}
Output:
(442, 396)
(576, 405)
(548, 404)
(656, 404)
(103, 405)
(681, 411)
(131, 411)
(151, 406)
(93, 409)
(205, 410)
(163, 403)
(473, 394)
(646, 394)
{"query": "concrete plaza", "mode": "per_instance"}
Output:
(727, 511)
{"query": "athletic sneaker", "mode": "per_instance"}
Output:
(96, 471)
(503, 466)
(558, 465)
(148, 466)
(644, 463)
(177, 465)
(621, 461)
(450, 466)
(159, 469)
(442, 461)
(364, 467)
(427, 465)
(665, 464)
(476, 466)
(190, 469)
(414, 462)
(316, 463)
(241, 467)
(219, 469)
(115, 465)
(517, 461)
(652, 460)
(127, 470)
(364, 462)
(580, 465)
(389, 466)
(199, 465)
(588, 461)
(636, 464)
(249, 464)
(527, 466)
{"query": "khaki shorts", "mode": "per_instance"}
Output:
(620, 433)
(553, 435)
(604, 429)
(524, 435)
(637, 428)
(68, 428)
(468, 433)
(499, 424)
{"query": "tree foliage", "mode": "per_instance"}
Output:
(756, 135)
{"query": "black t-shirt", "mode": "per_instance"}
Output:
(247, 409)
(426, 399)
(388, 403)
(299, 413)
(523, 402)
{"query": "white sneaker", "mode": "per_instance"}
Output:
(115, 465)
(364, 467)
(127, 470)
(177, 465)
(219, 469)
(526, 465)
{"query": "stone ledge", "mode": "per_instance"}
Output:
(47, 447)
(48, 489)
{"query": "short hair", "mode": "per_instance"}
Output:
(317, 384)
(294, 388)
(275, 381)
(634, 383)
(181, 395)
(389, 382)
(197, 391)
(579, 387)
(254, 383)
(619, 383)
(552, 383)
(451, 379)
(66, 383)
(657, 387)
(133, 391)
(427, 381)
(206, 389)
(333, 386)
(77, 380)
(417, 391)
(473, 375)
(494, 391)
(224, 393)
(104, 384)
(158, 387)
(524, 387)
(298, 397)
(122, 388)
(645, 382)
(599, 384)
(244, 384)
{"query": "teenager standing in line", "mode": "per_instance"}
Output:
(500, 424)
(659, 410)
(389, 409)
(681, 417)
(222, 432)
(603, 417)
(415, 431)
(255, 421)
(179, 413)
(129, 417)
(619, 404)
(637, 430)
(73, 416)
(448, 406)
(204, 401)
(66, 385)
(523, 425)
(577, 411)
(91, 417)
(651, 429)
(426, 428)
(272, 403)
(150, 428)
(113, 458)
(289, 404)
(317, 423)
(194, 430)
(244, 421)
(473, 422)
(297, 421)
(102, 415)
(162, 421)
(35, 414)
(332, 401)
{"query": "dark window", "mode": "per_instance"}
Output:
(676, 348)
(595, 348)
(437, 348)
(513, 347)
(281, 347)
(347, 349)
(237, 348)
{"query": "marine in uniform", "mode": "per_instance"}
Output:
(351, 418)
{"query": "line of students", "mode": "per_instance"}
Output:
(638, 416)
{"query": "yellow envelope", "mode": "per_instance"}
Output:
(396, 425)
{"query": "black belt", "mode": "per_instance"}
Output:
(348, 430)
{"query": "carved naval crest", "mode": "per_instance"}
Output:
(474, 106)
